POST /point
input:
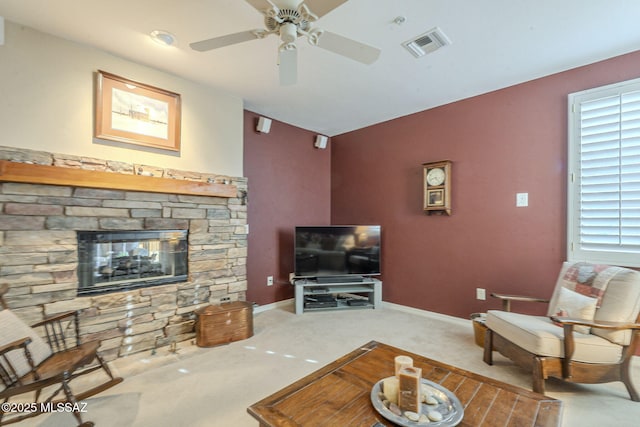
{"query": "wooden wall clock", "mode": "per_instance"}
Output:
(437, 187)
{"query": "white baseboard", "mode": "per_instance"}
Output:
(425, 313)
(278, 304)
(444, 317)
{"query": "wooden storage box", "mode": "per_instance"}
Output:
(224, 323)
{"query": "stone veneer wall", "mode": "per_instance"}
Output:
(38, 252)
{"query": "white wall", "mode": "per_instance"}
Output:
(47, 87)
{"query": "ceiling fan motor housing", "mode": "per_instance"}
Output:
(273, 23)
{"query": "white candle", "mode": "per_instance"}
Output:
(390, 388)
(402, 362)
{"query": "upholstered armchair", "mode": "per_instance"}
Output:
(591, 330)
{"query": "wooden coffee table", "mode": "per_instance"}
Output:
(339, 394)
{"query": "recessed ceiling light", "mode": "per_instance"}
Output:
(400, 20)
(163, 37)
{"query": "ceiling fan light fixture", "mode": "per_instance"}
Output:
(288, 32)
(163, 38)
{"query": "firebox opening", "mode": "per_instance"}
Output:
(111, 261)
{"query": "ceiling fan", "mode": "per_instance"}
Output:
(290, 19)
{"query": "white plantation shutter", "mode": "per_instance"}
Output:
(604, 175)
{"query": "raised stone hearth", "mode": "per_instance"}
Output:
(39, 251)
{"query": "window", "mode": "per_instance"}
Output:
(604, 175)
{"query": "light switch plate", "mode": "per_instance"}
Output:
(522, 199)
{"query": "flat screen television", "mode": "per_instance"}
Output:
(337, 250)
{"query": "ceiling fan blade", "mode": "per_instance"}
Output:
(223, 41)
(288, 64)
(260, 5)
(348, 48)
(321, 7)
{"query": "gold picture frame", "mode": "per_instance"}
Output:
(136, 113)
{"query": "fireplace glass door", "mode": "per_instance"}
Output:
(111, 261)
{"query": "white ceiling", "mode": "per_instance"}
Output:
(495, 44)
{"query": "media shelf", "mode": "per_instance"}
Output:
(336, 295)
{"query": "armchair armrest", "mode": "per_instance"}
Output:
(594, 324)
(506, 300)
(569, 345)
(54, 329)
(15, 345)
(54, 318)
(9, 371)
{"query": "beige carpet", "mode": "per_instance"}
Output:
(214, 386)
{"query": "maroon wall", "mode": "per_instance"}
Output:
(289, 185)
(501, 143)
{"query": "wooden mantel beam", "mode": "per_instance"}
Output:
(55, 175)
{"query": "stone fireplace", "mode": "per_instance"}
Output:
(39, 249)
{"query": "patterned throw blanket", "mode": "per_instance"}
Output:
(589, 279)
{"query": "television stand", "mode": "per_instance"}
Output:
(336, 295)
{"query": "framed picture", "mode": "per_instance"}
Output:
(435, 197)
(136, 113)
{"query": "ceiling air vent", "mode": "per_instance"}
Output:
(427, 42)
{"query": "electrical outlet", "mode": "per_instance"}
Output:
(481, 294)
(269, 280)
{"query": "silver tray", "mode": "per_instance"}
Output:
(448, 405)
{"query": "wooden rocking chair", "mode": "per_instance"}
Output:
(29, 364)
